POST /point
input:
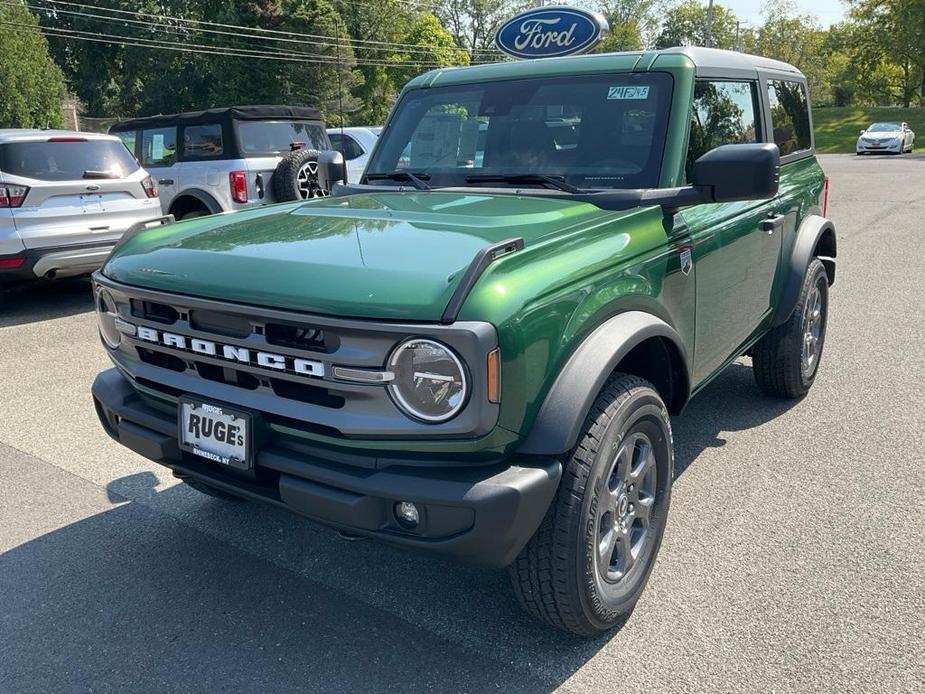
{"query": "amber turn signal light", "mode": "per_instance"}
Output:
(494, 375)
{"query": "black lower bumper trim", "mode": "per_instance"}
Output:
(480, 514)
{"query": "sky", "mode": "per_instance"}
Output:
(826, 11)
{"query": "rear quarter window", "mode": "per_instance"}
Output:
(66, 161)
(159, 146)
(790, 116)
(202, 141)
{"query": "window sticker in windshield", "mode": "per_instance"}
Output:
(628, 93)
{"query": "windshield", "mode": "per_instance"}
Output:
(273, 137)
(67, 160)
(597, 131)
(884, 127)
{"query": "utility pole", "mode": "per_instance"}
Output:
(738, 45)
(709, 36)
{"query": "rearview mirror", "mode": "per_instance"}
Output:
(738, 172)
(862, 132)
(331, 169)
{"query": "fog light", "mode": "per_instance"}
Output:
(407, 514)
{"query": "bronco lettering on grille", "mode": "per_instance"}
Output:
(243, 355)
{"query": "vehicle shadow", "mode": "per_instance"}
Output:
(33, 303)
(174, 590)
(730, 403)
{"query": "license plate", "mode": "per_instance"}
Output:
(216, 432)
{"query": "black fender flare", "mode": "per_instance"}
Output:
(205, 198)
(808, 236)
(562, 415)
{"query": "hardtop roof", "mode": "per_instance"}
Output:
(711, 62)
(217, 115)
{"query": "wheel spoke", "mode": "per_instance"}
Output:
(643, 509)
(643, 465)
(605, 548)
(626, 553)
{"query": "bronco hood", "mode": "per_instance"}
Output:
(394, 255)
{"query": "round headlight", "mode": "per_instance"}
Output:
(430, 381)
(106, 315)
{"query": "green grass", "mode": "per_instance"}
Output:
(837, 128)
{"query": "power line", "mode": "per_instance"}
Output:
(163, 25)
(286, 35)
(230, 51)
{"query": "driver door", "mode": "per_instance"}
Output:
(736, 246)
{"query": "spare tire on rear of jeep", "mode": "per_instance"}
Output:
(296, 176)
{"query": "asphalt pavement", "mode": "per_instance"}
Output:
(793, 561)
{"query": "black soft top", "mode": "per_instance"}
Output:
(220, 115)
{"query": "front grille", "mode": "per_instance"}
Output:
(225, 324)
(280, 364)
(154, 311)
(161, 359)
(298, 337)
(228, 376)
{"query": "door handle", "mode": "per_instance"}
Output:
(165, 181)
(772, 223)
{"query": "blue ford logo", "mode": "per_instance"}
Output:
(546, 32)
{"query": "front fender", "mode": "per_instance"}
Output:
(562, 416)
(812, 231)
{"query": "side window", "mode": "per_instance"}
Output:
(158, 147)
(723, 113)
(346, 145)
(128, 139)
(789, 116)
(202, 141)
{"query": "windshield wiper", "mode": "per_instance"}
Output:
(552, 181)
(100, 174)
(416, 179)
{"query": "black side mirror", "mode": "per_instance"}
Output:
(738, 172)
(331, 169)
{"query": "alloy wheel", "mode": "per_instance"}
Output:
(625, 510)
(307, 181)
(812, 332)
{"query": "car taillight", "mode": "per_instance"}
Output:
(11, 263)
(67, 139)
(238, 185)
(12, 196)
(150, 187)
(825, 197)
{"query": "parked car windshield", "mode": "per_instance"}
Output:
(884, 127)
(273, 137)
(67, 161)
(595, 131)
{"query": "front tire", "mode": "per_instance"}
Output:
(591, 557)
(785, 361)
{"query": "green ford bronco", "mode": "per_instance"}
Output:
(476, 349)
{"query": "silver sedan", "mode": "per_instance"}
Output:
(886, 137)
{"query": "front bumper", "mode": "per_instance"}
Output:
(867, 147)
(480, 514)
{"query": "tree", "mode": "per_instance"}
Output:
(473, 23)
(892, 32)
(795, 38)
(634, 24)
(686, 25)
(31, 86)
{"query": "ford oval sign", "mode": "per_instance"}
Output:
(546, 32)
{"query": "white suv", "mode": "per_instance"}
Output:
(65, 199)
(227, 159)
